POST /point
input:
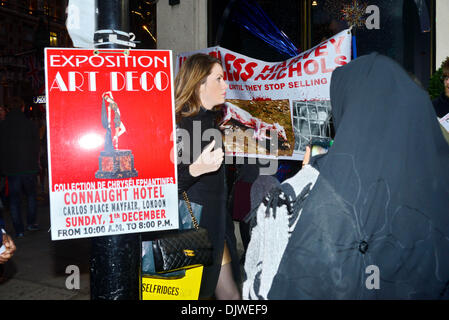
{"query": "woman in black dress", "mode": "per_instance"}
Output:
(199, 89)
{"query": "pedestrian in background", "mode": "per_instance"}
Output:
(3, 113)
(19, 162)
(441, 104)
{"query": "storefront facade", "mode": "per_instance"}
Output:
(409, 31)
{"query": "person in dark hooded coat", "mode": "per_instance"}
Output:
(376, 223)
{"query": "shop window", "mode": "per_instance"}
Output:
(53, 39)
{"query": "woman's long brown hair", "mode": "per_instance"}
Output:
(191, 75)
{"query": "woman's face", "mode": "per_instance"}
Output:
(213, 91)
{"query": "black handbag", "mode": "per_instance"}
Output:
(184, 247)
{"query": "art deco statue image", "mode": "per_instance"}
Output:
(110, 118)
(113, 163)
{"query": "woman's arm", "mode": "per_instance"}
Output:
(208, 161)
(185, 179)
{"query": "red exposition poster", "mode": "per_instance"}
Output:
(110, 121)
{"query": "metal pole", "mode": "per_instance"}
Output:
(115, 260)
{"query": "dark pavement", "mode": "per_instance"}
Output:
(37, 271)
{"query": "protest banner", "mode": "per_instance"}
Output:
(110, 120)
(290, 98)
(444, 121)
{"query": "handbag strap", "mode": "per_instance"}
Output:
(195, 222)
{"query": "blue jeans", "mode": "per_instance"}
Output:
(16, 184)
